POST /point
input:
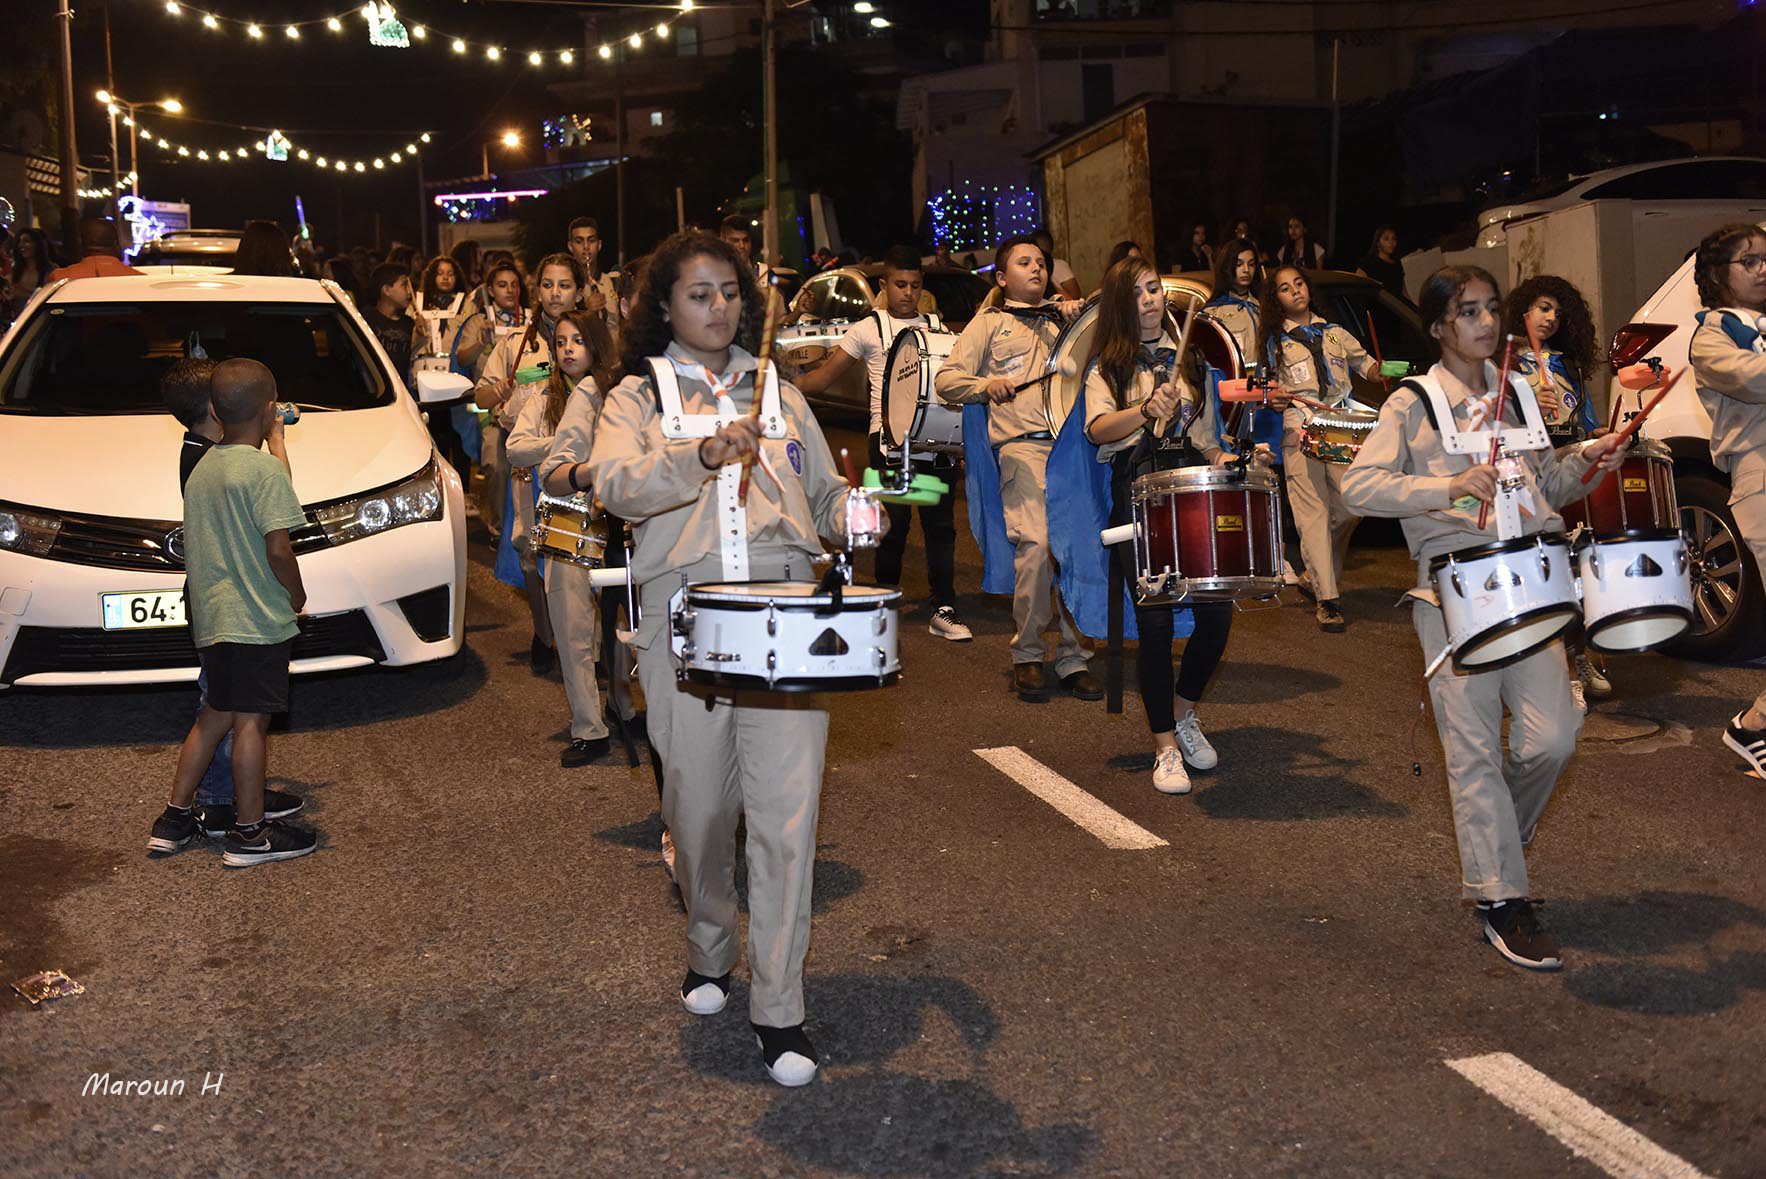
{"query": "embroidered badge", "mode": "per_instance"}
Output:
(794, 452)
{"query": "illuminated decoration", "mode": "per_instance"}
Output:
(276, 147)
(144, 225)
(566, 131)
(387, 30)
(980, 216)
(482, 206)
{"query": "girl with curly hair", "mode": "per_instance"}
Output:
(667, 456)
(1548, 310)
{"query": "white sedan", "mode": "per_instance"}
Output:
(91, 569)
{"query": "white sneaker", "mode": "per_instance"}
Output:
(1597, 684)
(1169, 776)
(1289, 577)
(946, 625)
(1578, 694)
(1196, 749)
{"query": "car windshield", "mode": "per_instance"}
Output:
(107, 358)
(959, 295)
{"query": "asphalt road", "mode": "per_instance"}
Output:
(476, 973)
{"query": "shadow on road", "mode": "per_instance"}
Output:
(1652, 953)
(1283, 776)
(1263, 683)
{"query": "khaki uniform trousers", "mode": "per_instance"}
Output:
(495, 465)
(1035, 605)
(1315, 492)
(1748, 507)
(757, 755)
(576, 630)
(1497, 801)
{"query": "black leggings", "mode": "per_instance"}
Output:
(937, 523)
(1203, 651)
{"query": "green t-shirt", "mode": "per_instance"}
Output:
(236, 496)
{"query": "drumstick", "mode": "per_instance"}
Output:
(766, 355)
(1183, 342)
(1508, 355)
(1634, 423)
(1373, 336)
(1067, 367)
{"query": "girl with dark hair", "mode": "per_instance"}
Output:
(33, 258)
(1298, 248)
(1728, 355)
(1238, 274)
(466, 256)
(1381, 264)
(1132, 385)
(1196, 254)
(263, 249)
(1121, 250)
(1315, 359)
(1406, 471)
(668, 454)
(516, 370)
(440, 302)
(499, 310)
(582, 354)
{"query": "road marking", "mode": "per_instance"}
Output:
(1114, 828)
(1598, 1137)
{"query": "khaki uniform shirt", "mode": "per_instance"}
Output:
(997, 343)
(576, 430)
(1100, 399)
(503, 361)
(1732, 388)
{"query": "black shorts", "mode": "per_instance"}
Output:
(247, 677)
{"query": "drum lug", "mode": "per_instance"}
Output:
(1680, 559)
(772, 621)
(1453, 578)
(1544, 560)
(772, 667)
(1594, 558)
(683, 622)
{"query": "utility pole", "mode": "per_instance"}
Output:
(422, 209)
(70, 160)
(769, 95)
(619, 152)
(110, 85)
(1336, 141)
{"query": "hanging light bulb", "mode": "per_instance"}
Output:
(605, 51)
(566, 57)
(293, 33)
(361, 167)
(459, 45)
(334, 25)
(534, 58)
(302, 153)
(172, 7)
(493, 53)
(419, 32)
(209, 21)
(662, 31)
(397, 158)
(424, 138)
(636, 40)
(254, 31)
(320, 161)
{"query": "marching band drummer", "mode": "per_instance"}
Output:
(992, 367)
(582, 355)
(1122, 403)
(869, 340)
(1311, 358)
(1404, 470)
(661, 461)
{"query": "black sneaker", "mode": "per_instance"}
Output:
(1330, 619)
(268, 841)
(1749, 743)
(217, 820)
(173, 831)
(582, 752)
(1513, 928)
(790, 1058)
(704, 995)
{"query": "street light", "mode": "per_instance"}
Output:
(170, 105)
(510, 139)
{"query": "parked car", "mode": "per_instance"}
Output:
(189, 251)
(91, 569)
(1707, 191)
(1729, 606)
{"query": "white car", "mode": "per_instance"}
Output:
(91, 571)
(1730, 608)
(1700, 192)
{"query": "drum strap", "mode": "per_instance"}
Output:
(1528, 435)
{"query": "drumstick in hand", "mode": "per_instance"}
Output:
(1183, 342)
(1508, 355)
(1634, 423)
(760, 367)
(1373, 336)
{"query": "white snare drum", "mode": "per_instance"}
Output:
(567, 528)
(786, 636)
(1502, 602)
(1635, 590)
(911, 408)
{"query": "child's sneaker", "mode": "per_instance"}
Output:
(217, 820)
(173, 831)
(269, 840)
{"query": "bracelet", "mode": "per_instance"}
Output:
(574, 485)
(1145, 405)
(702, 461)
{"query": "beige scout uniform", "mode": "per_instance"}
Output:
(503, 362)
(1315, 489)
(1100, 399)
(1241, 321)
(997, 343)
(1404, 471)
(1732, 387)
(570, 599)
(755, 754)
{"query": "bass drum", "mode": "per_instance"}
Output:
(1073, 351)
(911, 408)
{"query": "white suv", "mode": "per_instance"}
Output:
(91, 570)
(1729, 607)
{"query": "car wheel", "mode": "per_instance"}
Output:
(1728, 604)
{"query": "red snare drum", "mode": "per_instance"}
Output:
(1639, 494)
(1207, 534)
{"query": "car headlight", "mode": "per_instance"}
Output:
(417, 499)
(22, 531)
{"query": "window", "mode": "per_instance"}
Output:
(1700, 180)
(1097, 89)
(106, 358)
(847, 298)
(656, 118)
(686, 39)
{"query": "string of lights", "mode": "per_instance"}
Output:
(979, 216)
(273, 146)
(105, 193)
(386, 29)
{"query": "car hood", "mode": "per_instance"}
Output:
(127, 465)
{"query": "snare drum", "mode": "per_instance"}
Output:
(1640, 494)
(911, 408)
(1635, 590)
(1207, 534)
(1335, 435)
(786, 636)
(1502, 602)
(567, 528)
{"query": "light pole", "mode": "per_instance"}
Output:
(509, 139)
(111, 101)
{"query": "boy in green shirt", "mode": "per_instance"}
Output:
(245, 592)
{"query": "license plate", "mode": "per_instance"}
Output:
(140, 611)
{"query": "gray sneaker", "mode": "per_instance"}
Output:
(946, 625)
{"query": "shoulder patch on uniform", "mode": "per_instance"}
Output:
(794, 453)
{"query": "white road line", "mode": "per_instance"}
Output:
(1114, 828)
(1598, 1137)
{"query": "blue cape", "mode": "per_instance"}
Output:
(508, 564)
(465, 416)
(987, 512)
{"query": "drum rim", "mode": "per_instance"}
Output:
(1347, 419)
(866, 596)
(1620, 535)
(1498, 548)
(1206, 476)
(1570, 612)
(794, 684)
(1634, 614)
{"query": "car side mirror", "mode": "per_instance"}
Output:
(435, 387)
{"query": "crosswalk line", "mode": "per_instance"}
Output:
(1112, 827)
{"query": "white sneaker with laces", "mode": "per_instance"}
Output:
(1169, 776)
(1194, 743)
(946, 625)
(1289, 576)
(1579, 695)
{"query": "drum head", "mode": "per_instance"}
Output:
(788, 593)
(902, 382)
(1514, 640)
(1073, 349)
